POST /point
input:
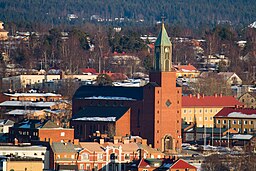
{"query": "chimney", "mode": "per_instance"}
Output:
(144, 142)
(190, 95)
(198, 95)
(220, 94)
(101, 141)
(115, 141)
(215, 95)
(16, 141)
(126, 141)
(76, 141)
(203, 95)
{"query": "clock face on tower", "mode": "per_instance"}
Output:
(166, 49)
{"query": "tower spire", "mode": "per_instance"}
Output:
(163, 50)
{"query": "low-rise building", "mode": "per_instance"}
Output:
(39, 130)
(201, 109)
(33, 97)
(248, 99)
(186, 71)
(243, 120)
(14, 163)
(26, 150)
(164, 164)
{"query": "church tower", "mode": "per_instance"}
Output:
(163, 51)
(167, 97)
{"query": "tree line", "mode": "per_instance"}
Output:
(189, 13)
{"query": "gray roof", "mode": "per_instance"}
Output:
(87, 91)
(60, 147)
(112, 113)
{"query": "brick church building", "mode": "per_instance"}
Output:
(152, 111)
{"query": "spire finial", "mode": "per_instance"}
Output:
(163, 18)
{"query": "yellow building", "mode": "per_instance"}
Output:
(243, 120)
(22, 163)
(186, 71)
(201, 109)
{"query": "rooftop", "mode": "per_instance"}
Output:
(210, 101)
(234, 112)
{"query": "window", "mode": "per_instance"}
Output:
(185, 111)
(168, 103)
(81, 166)
(205, 111)
(211, 118)
(185, 118)
(127, 157)
(205, 118)
(251, 122)
(224, 121)
(239, 122)
(85, 156)
(100, 156)
(234, 122)
(245, 122)
(113, 156)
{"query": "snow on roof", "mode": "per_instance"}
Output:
(241, 115)
(27, 103)
(108, 98)
(101, 119)
(32, 94)
(240, 136)
(20, 112)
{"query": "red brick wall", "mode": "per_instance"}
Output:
(123, 125)
(55, 135)
(167, 120)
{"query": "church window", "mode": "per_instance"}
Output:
(168, 103)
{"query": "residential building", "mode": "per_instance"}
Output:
(28, 151)
(5, 124)
(201, 109)
(155, 109)
(205, 135)
(40, 130)
(243, 120)
(19, 110)
(186, 71)
(63, 156)
(20, 163)
(248, 99)
(40, 80)
(33, 97)
(164, 164)
(231, 78)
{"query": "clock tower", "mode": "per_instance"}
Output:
(167, 97)
(163, 51)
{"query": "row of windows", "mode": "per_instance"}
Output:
(200, 111)
(234, 122)
(200, 118)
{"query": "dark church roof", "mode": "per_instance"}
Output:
(101, 112)
(130, 93)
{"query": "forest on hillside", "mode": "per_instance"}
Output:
(188, 13)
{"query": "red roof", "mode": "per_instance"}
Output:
(181, 164)
(186, 68)
(143, 163)
(88, 70)
(236, 112)
(214, 101)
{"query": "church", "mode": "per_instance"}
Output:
(152, 112)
